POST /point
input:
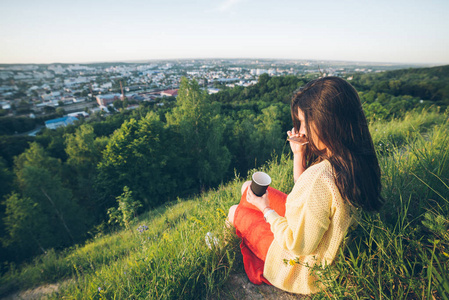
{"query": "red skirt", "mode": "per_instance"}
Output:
(256, 233)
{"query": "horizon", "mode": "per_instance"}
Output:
(144, 61)
(84, 32)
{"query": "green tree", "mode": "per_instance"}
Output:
(6, 180)
(375, 111)
(83, 150)
(136, 156)
(199, 136)
(268, 136)
(39, 185)
(27, 226)
(11, 146)
(238, 140)
(49, 110)
(81, 147)
(60, 111)
(255, 138)
(53, 141)
(118, 104)
(12, 125)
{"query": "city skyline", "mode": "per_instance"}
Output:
(100, 31)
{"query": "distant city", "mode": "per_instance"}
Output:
(76, 90)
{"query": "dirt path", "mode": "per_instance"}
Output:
(34, 294)
(239, 287)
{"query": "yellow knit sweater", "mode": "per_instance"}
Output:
(315, 223)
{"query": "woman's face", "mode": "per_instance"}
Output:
(313, 136)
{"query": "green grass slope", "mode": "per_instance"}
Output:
(399, 253)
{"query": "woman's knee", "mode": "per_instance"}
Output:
(245, 185)
(231, 214)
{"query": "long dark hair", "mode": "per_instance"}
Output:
(333, 106)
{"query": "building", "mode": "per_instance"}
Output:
(5, 105)
(212, 90)
(64, 121)
(78, 114)
(169, 93)
(105, 100)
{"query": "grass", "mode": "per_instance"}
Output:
(390, 135)
(402, 252)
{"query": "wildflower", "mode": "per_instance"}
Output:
(142, 228)
(291, 262)
(99, 289)
(219, 210)
(210, 238)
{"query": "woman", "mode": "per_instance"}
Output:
(336, 174)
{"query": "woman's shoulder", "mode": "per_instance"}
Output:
(325, 177)
(319, 169)
(316, 178)
(314, 190)
(319, 179)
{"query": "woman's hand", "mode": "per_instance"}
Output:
(298, 141)
(298, 146)
(261, 202)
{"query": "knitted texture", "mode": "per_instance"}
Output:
(315, 224)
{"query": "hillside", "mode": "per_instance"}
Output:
(399, 253)
(427, 84)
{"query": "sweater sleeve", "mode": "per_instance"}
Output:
(307, 218)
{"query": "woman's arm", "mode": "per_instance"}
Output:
(298, 165)
(307, 215)
(298, 150)
(300, 231)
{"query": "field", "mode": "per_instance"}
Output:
(402, 252)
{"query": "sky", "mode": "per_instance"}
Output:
(83, 31)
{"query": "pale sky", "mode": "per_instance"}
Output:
(69, 31)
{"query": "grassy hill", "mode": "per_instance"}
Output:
(424, 83)
(400, 253)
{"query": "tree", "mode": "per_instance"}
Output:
(49, 110)
(53, 141)
(253, 139)
(268, 136)
(84, 153)
(238, 140)
(12, 125)
(199, 134)
(55, 220)
(27, 226)
(6, 180)
(136, 156)
(375, 111)
(60, 111)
